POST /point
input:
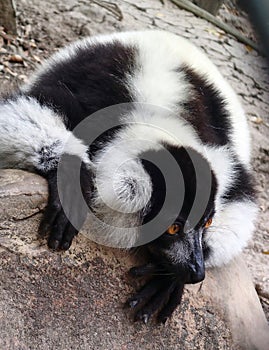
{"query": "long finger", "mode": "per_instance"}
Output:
(174, 301)
(156, 303)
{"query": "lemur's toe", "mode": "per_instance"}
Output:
(53, 244)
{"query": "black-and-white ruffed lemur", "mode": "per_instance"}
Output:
(178, 104)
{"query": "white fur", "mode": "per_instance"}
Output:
(172, 52)
(115, 167)
(232, 227)
(26, 128)
(175, 51)
(222, 163)
(151, 127)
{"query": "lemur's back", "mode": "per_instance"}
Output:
(153, 67)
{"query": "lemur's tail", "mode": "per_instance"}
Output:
(33, 137)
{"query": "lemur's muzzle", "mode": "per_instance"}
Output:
(196, 265)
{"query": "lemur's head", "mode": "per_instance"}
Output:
(181, 248)
(170, 206)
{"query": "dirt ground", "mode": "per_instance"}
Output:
(43, 27)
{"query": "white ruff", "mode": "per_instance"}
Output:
(232, 227)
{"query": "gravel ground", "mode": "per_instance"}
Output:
(43, 27)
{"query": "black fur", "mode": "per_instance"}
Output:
(206, 110)
(243, 187)
(103, 137)
(55, 221)
(184, 161)
(158, 188)
(94, 78)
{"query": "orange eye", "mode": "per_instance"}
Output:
(208, 223)
(173, 229)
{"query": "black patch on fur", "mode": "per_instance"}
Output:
(243, 187)
(206, 251)
(92, 79)
(68, 209)
(159, 247)
(184, 161)
(98, 143)
(158, 188)
(206, 110)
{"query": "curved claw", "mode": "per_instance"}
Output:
(140, 316)
(132, 303)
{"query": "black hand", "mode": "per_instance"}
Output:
(56, 220)
(160, 295)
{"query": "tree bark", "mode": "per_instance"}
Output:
(8, 16)
(211, 6)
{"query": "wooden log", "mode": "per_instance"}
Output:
(189, 6)
(211, 6)
(8, 16)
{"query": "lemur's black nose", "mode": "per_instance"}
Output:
(197, 273)
(196, 265)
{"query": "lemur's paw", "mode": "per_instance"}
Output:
(55, 222)
(158, 297)
(71, 207)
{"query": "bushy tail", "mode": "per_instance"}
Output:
(33, 137)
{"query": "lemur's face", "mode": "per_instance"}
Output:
(181, 249)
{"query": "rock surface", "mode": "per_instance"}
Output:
(74, 300)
